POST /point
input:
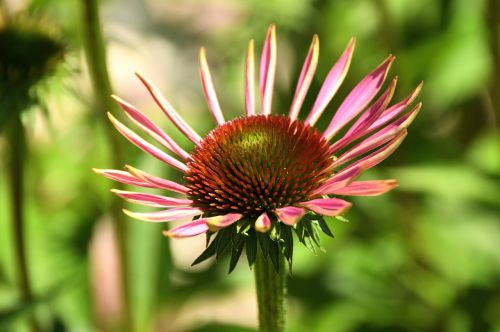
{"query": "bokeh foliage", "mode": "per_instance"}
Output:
(425, 257)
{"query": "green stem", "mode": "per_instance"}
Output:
(16, 151)
(96, 59)
(271, 294)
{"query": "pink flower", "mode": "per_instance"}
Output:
(263, 172)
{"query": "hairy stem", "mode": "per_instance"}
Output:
(16, 150)
(271, 294)
(96, 59)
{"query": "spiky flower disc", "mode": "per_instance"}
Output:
(257, 178)
(257, 164)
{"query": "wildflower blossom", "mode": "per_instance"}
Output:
(260, 176)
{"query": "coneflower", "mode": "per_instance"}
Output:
(260, 177)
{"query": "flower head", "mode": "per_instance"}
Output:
(261, 176)
(29, 53)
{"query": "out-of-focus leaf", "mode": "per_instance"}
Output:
(451, 181)
(484, 153)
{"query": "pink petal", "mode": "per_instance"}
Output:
(370, 143)
(396, 109)
(290, 215)
(217, 222)
(152, 200)
(145, 146)
(157, 182)
(366, 119)
(164, 215)
(381, 137)
(339, 180)
(208, 88)
(250, 80)
(367, 188)
(359, 97)
(263, 223)
(327, 206)
(381, 154)
(151, 128)
(305, 78)
(193, 228)
(268, 70)
(170, 111)
(332, 83)
(123, 177)
(407, 119)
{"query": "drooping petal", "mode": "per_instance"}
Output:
(366, 119)
(145, 146)
(368, 144)
(123, 177)
(189, 229)
(305, 78)
(155, 181)
(148, 126)
(250, 80)
(381, 154)
(151, 199)
(208, 88)
(367, 188)
(164, 215)
(217, 222)
(380, 137)
(327, 206)
(290, 215)
(268, 70)
(263, 223)
(169, 110)
(395, 110)
(339, 180)
(331, 84)
(358, 98)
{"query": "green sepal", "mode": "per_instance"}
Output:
(225, 237)
(274, 254)
(209, 251)
(236, 251)
(324, 227)
(251, 247)
(287, 238)
(341, 218)
(264, 241)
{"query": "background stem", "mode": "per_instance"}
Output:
(271, 294)
(96, 59)
(16, 150)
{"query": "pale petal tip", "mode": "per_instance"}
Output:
(129, 213)
(351, 44)
(202, 55)
(98, 171)
(171, 234)
(345, 208)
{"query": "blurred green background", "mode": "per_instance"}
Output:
(425, 257)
